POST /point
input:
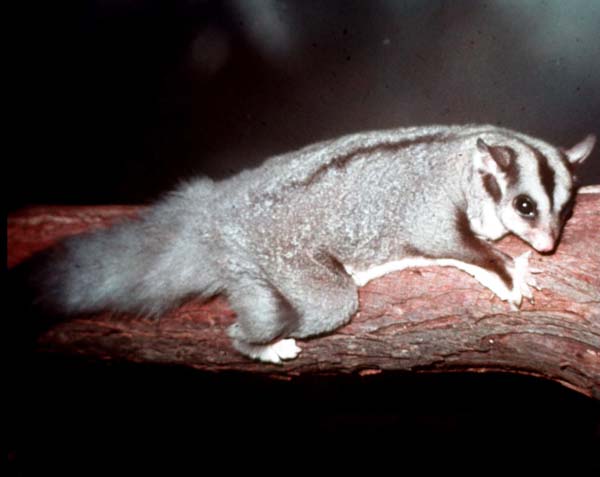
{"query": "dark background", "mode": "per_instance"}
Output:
(120, 100)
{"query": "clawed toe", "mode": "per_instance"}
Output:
(523, 277)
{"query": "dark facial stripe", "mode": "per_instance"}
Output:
(546, 173)
(512, 170)
(567, 209)
(491, 186)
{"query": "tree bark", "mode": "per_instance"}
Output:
(429, 319)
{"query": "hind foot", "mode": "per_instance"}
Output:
(271, 353)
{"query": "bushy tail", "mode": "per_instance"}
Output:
(145, 265)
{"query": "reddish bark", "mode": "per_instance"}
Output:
(421, 320)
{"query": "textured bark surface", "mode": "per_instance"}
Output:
(421, 320)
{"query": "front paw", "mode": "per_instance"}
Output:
(523, 280)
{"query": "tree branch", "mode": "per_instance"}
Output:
(421, 320)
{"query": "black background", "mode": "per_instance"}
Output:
(118, 101)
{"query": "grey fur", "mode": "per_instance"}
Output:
(277, 239)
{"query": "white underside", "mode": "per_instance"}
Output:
(362, 277)
(521, 274)
(286, 349)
